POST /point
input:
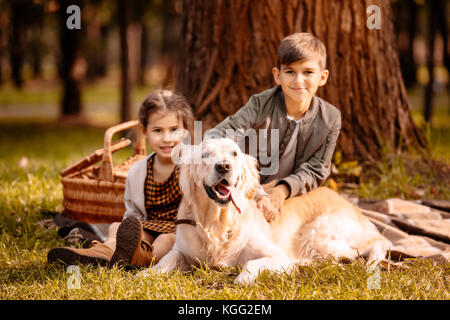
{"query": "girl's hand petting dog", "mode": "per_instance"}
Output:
(271, 206)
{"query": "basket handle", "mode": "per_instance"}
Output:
(94, 157)
(107, 170)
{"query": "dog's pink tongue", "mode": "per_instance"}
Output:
(232, 199)
(222, 189)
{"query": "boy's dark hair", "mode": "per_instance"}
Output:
(301, 46)
(165, 101)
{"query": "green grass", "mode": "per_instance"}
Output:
(24, 273)
(26, 276)
(24, 192)
(406, 176)
(439, 136)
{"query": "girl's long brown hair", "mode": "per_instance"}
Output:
(164, 101)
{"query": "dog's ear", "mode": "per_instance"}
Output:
(250, 176)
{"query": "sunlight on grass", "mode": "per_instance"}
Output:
(24, 274)
(48, 148)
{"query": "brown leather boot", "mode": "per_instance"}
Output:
(131, 249)
(97, 254)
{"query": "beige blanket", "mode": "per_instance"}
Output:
(416, 230)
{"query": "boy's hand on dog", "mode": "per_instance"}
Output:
(271, 206)
(265, 205)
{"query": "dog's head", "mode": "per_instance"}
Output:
(220, 169)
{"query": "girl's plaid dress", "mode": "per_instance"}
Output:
(162, 200)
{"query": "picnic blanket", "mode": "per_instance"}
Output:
(417, 229)
(73, 231)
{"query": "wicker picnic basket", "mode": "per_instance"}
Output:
(94, 192)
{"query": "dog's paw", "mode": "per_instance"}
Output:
(144, 273)
(245, 278)
(164, 268)
(150, 272)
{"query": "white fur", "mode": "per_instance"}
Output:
(315, 225)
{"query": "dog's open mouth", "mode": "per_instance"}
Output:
(222, 190)
(222, 193)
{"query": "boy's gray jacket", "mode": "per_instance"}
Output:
(317, 135)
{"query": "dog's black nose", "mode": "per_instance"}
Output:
(222, 167)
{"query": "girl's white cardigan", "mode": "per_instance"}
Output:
(134, 196)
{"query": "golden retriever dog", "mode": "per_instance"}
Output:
(220, 225)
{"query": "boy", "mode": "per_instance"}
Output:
(308, 126)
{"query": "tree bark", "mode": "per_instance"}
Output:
(229, 48)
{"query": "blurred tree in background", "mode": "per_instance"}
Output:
(34, 33)
(19, 11)
(219, 53)
(422, 29)
(4, 12)
(72, 67)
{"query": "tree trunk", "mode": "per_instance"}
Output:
(145, 34)
(93, 42)
(103, 54)
(72, 64)
(429, 90)
(17, 42)
(35, 47)
(134, 40)
(36, 50)
(3, 37)
(443, 27)
(125, 113)
(405, 13)
(169, 45)
(229, 48)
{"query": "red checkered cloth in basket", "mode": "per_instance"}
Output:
(162, 200)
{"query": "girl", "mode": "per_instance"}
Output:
(152, 194)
